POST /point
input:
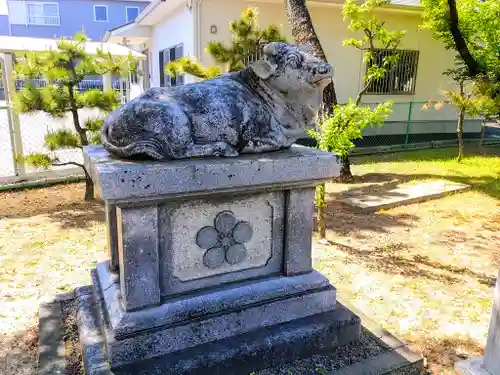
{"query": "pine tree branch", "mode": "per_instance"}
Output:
(68, 163)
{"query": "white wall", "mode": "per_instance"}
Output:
(332, 30)
(173, 30)
(17, 12)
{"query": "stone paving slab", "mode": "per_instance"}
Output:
(400, 195)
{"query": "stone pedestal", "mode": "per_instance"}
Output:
(210, 265)
(489, 364)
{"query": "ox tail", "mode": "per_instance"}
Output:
(147, 145)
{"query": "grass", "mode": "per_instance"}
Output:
(480, 168)
(423, 271)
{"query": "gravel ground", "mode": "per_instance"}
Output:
(323, 364)
(74, 364)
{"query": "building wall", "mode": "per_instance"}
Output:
(75, 16)
(347, 61)
(174, 30)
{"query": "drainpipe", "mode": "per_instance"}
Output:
(197, 28)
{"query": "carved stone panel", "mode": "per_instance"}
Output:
(208, 242)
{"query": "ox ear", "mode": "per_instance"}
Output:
(263, 68)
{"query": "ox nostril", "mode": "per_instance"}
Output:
(323, 69)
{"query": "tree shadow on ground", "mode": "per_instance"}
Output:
(71, 213)
(387, 181)
(79, 219)
(19, 352)
(442, 352)
(345, 221)
(389, 259)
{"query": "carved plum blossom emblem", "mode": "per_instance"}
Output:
(224, 242)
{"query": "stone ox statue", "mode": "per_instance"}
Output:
(264, 107)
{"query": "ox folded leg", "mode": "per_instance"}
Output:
(210, 149)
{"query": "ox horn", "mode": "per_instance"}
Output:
(271, 49)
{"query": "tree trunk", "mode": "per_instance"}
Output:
(321, 205)
(345, 169)
(460, 126)
(303, 33)
(460, 133)
(89, 187)
(460, 43)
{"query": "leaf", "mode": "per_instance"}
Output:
(61, 139)
(39, 160)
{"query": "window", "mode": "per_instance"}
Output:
(400, 78)
(41, 13)
(100, 13)
(166, 55)
(132, 13)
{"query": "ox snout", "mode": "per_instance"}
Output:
(324, 69)
(322, 73)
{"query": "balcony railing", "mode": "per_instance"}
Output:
(44, 20)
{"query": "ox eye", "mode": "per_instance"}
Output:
(293, 62)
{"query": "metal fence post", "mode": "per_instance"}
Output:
(408, 124)
(13, 115)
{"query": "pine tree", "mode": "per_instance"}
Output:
(246, 42)
(63, 70)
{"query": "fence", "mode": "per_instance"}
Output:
(410, 123)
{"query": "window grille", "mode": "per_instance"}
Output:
(400, 78)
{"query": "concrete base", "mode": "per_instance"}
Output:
(214, 350)
(228, 329)
(401, 195)
(472, 366)
(392, 358)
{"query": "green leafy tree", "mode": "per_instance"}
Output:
(337, 131)
(472, 29)
(63, 70)
(247, 39)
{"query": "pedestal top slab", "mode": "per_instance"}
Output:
(128, 180)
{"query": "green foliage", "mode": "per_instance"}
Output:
(39, 160)
(105, 101)
(62, 139)
(93, 127)
(375, 37)
(479, 25)
(247, 38)
(336, 132)
(63, 69)
(190, 66)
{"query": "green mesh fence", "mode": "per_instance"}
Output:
(414, 123)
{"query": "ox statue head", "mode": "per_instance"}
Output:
(297, 75)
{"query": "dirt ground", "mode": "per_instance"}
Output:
(49, 241)
(425, 272)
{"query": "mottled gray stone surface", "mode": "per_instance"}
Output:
(182, 260)
(110, 210)
(232, 356)
(127, 181)
(492, 352)
(51, 352)
(265, 107)
(173, 311)
(474, 366)
(138, 254)
(202, 262)
(298, 231)
(218, 327)
(489, 364)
